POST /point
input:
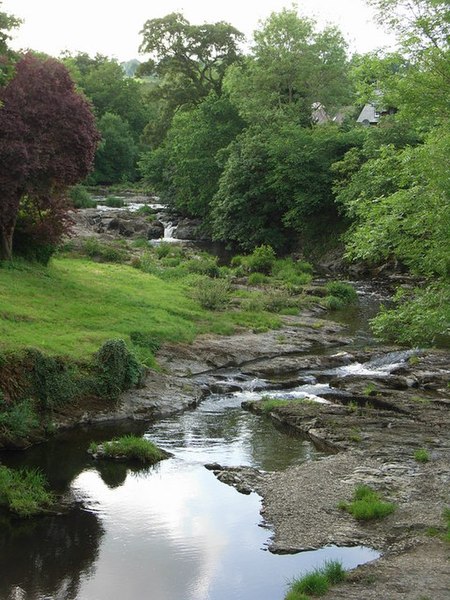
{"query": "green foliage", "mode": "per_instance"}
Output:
(116, 155)
(342, 290)
(17, 419)
(399, 203)
(212, 294)
(80, 197)
(129, 447)
(418, 318)
(317, 582)
(23, 492)
(104, 252)
(118, 368)
(366, 505)
(421, 455)
(184, 169)
(114, 202)
(51, 380)
(145, 339)
(261, 260)
(292, 66)
(257, 279)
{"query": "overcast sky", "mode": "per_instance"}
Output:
(111, 27)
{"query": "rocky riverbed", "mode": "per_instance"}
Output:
(374, 421)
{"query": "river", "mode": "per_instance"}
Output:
(173, 531)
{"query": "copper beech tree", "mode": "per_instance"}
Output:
(48, 140)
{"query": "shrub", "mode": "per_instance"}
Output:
(51, 380)
(118, 368)
(334, 303)
(418, 318)
(114, 202)
(366, 505)
(24, 492)
(261, 259)
(203, 265)
(106, 252)
(421, 455)
(212, 294)
(277, 300)
(80, 197)
(343, 291)
(18, 419)
(129, 447)
(163, 249)
(145, 211)
(257, 278)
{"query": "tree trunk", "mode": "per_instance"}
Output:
(6, 238)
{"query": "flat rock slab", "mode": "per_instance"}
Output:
(298, 334)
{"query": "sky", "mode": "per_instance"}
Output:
(111, 27)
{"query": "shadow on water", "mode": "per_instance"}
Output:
(50, 553)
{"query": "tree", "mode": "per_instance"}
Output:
(199, 53)
(116, 155)
(292, 67)
(7, 22)
(185, 168)
(47, 140)
(187, 63)
(110, 90)
(423, 27)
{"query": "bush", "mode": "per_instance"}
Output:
(212, 294)
(114, 202)
(129, 447)
(51, 380)
(204, 264)
(118, 368)
(257, 279)
(80, 197)
(366, 505)
(344, 291)
(261, 259)
(419, 318)
(18, 419)
(104, 252)
(334, 303)
(24, 492)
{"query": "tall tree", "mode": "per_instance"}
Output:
(7, 23)
(47, 139)
(199, 53)
(292, 67)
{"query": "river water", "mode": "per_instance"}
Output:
(170, 532)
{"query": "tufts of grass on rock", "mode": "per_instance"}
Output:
(367, 505)
(129, 447)
(24, 492)
(317, 582)
(421, 455)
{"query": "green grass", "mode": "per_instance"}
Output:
(421, 455)
(268, 404)
(367, 505)
(130, 447)
(24, 492)
(317, 582)
(73, 306)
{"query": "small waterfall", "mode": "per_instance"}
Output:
(169, 228)
(382, 365)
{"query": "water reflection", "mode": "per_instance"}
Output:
(168, 532)
(49, 557)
